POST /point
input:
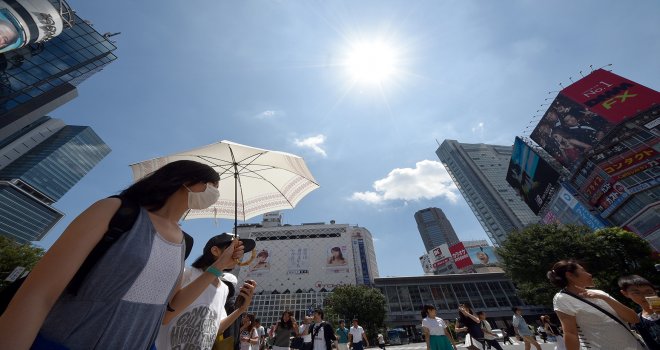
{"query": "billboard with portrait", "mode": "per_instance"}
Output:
(336, 261)
(613, 97)
(534, 179)
(568, 130)
(300, 258)
(261, 264)
(482, 255)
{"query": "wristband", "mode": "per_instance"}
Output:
(214, 271)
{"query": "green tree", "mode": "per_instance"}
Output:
(13, 254)
(529, 254)
(364, 303)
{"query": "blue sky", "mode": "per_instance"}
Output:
(274, 74)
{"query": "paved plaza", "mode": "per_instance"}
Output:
(516, 346)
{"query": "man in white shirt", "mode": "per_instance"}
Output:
(262, 333)
(305, 329)
(356, 335)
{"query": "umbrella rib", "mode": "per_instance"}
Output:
(243, 166)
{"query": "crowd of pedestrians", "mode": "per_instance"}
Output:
(139, 295)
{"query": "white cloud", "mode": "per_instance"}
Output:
(314, 143)
(268, 114)
(427, 180)
(478, 129)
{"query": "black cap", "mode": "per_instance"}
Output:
(225, 239)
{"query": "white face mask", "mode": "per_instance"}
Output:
(203, 200)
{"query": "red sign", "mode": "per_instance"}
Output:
(460, 256)
(611, 96)
(629, 160)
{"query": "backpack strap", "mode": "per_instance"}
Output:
(121, 221)
(189, 243)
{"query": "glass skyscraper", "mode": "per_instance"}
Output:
(42, 158)
(42, 176)
(479, 171)
(434, 228)
(36, 79)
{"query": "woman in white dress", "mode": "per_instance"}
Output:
(584, 326)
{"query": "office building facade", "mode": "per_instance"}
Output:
(434, 228)
(43, 174)
(493, 293)
(479, 171)
(42, 158)
(296, 267)
(38, 78)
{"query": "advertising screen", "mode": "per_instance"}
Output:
(11, 33)
(611, 96)
(482, 255)
(568, 130)
(533, 178)
(335, 259)
(460, 256)
(260, 265)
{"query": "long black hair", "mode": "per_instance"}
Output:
(153, 190)
(288, 324)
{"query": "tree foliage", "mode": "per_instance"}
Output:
(364, 303)
(607, 254)
(13, 254)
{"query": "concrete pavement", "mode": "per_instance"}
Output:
(516, 346)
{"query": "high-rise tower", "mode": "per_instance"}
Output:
(479, 171)
(42, 175)
(434, 228)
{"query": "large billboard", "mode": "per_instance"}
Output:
(534, 179)
(611, 96)
(568, 130)
(484, 256)
(582, 114)
(440, 256)
(460, 256)
(318, 258)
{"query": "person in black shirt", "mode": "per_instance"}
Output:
(469, 320)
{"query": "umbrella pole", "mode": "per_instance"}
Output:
(235, 200)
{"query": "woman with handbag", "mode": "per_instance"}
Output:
(600, 318)
(284, 330)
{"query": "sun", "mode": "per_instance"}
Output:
(371, 62)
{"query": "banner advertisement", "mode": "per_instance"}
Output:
(460, 256)
(335, 259)
(298, 261)
(611, 96)
(580, 210)
(568, 130)
(533, 178)
(440, 256)
(484, 256)
(260, 265)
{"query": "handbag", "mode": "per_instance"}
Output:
(296, 343)
(633, 333)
